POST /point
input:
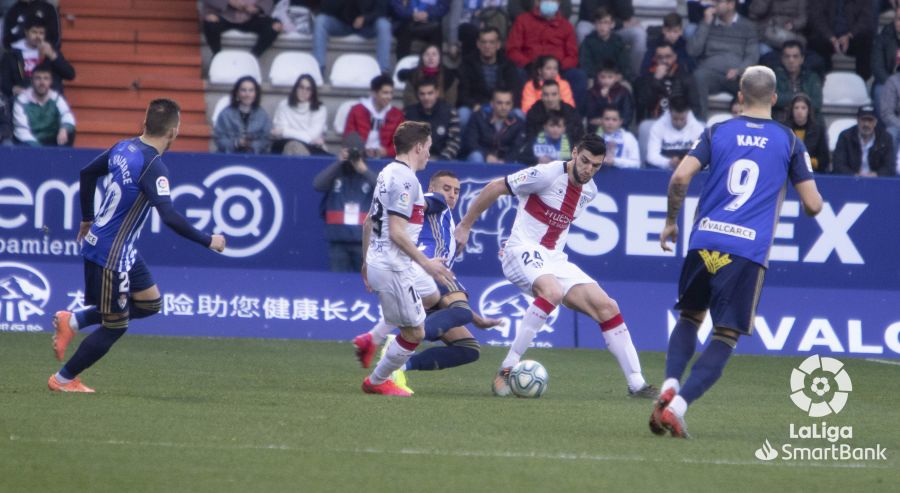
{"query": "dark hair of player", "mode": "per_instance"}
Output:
(793, 43)
(380, 81)
(314, 102)
(601, 13)
(162, 116)
(235, 101)
(594, 144)
(442, 173)
(410, 133)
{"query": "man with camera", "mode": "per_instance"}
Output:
(347, 184)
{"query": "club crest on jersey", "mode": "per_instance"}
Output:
(404, 198)
(162, 186)
(123, 300)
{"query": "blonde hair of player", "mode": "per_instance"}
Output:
(757, 91)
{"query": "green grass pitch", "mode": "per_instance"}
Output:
(193, 414)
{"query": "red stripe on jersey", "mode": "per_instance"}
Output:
(557, 220)
(418, 215)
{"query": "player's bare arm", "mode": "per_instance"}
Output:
(809, 197)
(434, 267)
(678, 187)
(485, 199)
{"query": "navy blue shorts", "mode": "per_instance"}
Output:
(110, 291)
(726, 285)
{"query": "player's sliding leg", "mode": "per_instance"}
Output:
(460, 349)
(398, 352)
(91, 349)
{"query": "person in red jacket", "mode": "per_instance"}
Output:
(375, 120)
(544, 31)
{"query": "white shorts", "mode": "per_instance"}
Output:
(397, 292)
(522, 265)
(425, 284)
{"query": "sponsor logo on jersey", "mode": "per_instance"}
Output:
(91, 238)
(403, 199)
(162, 186)
(808, 161)
(707, 224)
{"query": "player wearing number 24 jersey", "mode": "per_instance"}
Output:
(118, 285)
(750, 160)
(550, 197)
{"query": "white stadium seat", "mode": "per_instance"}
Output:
(409, 61)
(643, 137)
(221, 104)
(288, 66)
(230, 65)
(340, 116)
(835, 129)
(656, 4)
(354, 70)
(717, 118)
(845, 89)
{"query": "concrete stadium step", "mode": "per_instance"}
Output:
(128, 23)
(133, 115)
(186, 6)
(78, 41)
(105, 140)
(141, 12)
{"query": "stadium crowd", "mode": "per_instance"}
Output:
(516, 81)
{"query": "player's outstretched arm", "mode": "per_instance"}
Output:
(88, 178)
(434, 267)
(488, 195)
(809, 196)
(678, 187)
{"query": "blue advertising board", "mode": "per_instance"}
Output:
(831, 288)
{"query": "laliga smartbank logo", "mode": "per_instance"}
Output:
(820, 386)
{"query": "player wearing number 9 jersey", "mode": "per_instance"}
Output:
(118, 285)
(750, 160)
(550, 197)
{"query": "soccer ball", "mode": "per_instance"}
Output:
(528, 379)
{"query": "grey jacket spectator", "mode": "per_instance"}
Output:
(890, 102)
(779, 20)
(235, 133)
(18, 14)
(847, 159)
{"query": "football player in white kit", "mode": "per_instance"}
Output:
(550, 197)
(395, 220)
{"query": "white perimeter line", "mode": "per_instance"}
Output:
(884, 361)
(562, 456)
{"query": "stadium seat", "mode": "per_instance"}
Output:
(221, 104)
(354, 70)
(656, 4)
(717, 118)
(230, 65)
(409, 61)
(845, 89)
(287, 66)
(835, 129)
(340, 116)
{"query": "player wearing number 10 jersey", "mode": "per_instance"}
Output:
(750, 158)
(550, 197)
(118, 284)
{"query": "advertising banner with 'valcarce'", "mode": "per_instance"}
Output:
(832, 286)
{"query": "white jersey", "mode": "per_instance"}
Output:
(548, 203)
(399, 193)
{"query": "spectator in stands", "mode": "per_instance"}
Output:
(627, 26)
(843, 26)
(622, 149)
(543, 31)
(467, 18)
(252, 16)
(41, 116)
(18, 15)
(545, 68)
(551, 101)
(792, 78)
(865, 149)
(551, 143)
(243, 126)
(300, 121)
(609, 91)
(6, 123)
(724, 45)
(604, 47)
(375, 120)
(482, 73)
(366, 18)
(518, 7)
(671, 32)
(495, 134)
(431, 66)
(664, 79)
(417, 20)
(672, 135)
(17, 64)
(890, 108)
(778, 21)
(347, 184)
(885, 59)
(802, 120)
(431, 108)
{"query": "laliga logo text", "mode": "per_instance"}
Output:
(504, 301)
(248, 213)
(24, 293)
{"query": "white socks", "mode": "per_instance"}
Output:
(618, 341)
(670, 383)
(394, 358)
(534, 319)
(380, 332)
(678, 406)
(61, 379)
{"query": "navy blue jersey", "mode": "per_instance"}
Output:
(750, 161)
(138, 180)
(436, 238)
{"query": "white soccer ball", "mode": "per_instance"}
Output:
(528, 379)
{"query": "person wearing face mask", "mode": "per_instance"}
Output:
(865, 149)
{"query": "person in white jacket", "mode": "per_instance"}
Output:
(672, 135)
(622, 149)
(300, 121)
